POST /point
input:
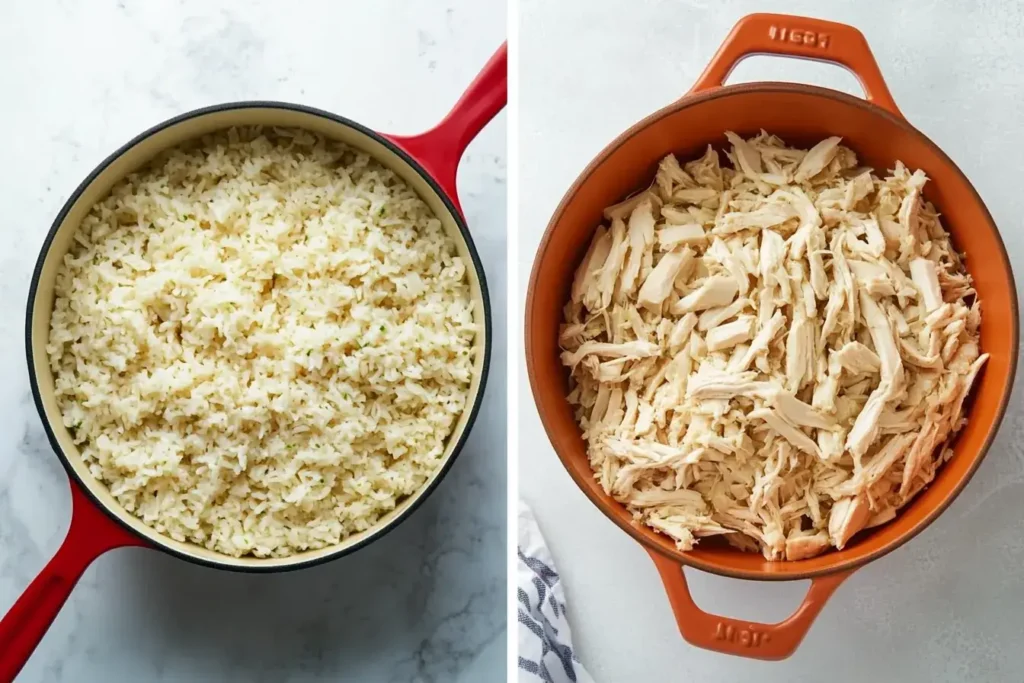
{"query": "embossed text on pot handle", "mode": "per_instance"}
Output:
(804, 38)
(736, 636)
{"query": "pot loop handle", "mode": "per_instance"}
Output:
(735, 636)
(804, 38)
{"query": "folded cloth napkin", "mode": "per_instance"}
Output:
(545, 643)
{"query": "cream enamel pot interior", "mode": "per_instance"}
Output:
(427, 162)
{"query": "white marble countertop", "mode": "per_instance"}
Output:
(427, 602)
(945, 607)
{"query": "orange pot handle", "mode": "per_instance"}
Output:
(735, 636)
(803, 38)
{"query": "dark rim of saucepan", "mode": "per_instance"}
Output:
(726, 91)
(449, 206)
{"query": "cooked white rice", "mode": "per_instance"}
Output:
(262, 342)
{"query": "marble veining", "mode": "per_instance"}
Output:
(426, 603)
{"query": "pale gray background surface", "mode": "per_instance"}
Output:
(949, 606)
(424, 604)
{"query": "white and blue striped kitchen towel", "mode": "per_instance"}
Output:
(545, 644)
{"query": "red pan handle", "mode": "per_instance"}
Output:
(92, 533)
(439, 149)
(735, 636)
(804, 38)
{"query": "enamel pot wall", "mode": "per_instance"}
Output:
(874, 128)
(427, 162)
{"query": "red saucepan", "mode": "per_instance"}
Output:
(427, 162)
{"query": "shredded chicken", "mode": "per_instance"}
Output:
(775, 350)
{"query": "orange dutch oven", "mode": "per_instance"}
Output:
(874, 128)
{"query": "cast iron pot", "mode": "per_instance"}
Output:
(427, 162)
(799, 114)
